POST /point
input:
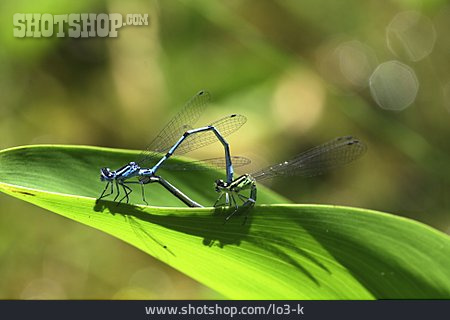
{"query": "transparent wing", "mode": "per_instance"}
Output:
(332, 154)
(225, 126)
(207, 164)
(181, 122)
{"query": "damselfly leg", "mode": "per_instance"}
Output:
(127, 191)
(103, 195)
(118, 190)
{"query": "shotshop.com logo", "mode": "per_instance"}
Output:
(74, 25)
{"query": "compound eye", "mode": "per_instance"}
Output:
(102, 174)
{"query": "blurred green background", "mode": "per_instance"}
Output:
(303, 72)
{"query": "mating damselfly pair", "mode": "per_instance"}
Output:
(180, 136)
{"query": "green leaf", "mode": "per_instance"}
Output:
(282, 252)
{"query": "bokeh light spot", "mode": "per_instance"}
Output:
(298, 101)
(394, 85)
(356, 62)
(411, 35)
(346, 63)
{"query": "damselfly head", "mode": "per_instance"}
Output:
(106, 174)
(219, 185)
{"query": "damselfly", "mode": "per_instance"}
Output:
(330, 155)
(180, 137)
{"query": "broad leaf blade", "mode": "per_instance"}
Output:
(284, 251)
